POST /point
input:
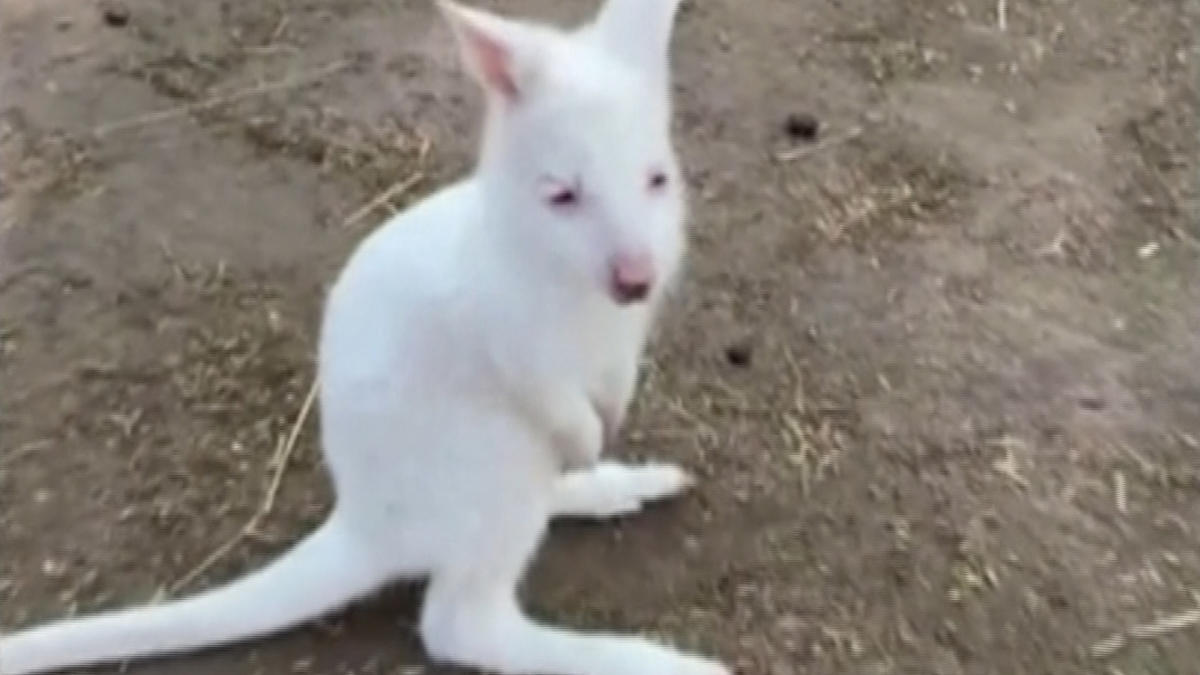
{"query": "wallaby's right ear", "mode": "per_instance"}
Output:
(638, 31)
(500, 54)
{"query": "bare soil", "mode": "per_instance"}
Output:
(939, 367)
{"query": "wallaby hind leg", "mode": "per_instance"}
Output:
(615, 489)
(471, 616)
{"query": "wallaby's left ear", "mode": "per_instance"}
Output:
(503, 55)
(638, 32)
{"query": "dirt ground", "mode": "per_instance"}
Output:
(939, 368)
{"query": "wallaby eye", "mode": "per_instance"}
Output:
(561, 195)
(658, 180)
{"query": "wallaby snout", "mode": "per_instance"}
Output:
(631, 277)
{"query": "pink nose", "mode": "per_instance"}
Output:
(632, 277)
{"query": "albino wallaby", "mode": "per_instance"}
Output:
(475, 354)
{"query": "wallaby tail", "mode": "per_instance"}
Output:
(323, 572)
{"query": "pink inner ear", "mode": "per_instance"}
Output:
(495, 63)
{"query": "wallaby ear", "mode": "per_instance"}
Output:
(500, 54)
(638, 32)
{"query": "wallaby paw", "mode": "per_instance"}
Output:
(653, 482)
(613, 489)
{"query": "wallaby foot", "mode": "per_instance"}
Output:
(612, 489)
(471, 618)
(501, 639)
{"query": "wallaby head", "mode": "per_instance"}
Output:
(577, 155)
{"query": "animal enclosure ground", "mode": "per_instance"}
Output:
(937, 367)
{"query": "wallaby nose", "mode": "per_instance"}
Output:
(632, 277)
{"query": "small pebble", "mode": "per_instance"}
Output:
(53, 568)
(802, 126)
(739, 354)
(115, 14)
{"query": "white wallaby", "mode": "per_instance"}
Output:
(475, 354)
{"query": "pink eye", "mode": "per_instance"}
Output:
(658, 180)
(560, 194)
(563, 197)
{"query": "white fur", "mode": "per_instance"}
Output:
(472, 360)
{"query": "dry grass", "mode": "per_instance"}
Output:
(279, 465)
(1164, 625)
(894, 190)
(175, 112)
(394, 191)
(384, 160)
